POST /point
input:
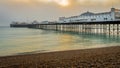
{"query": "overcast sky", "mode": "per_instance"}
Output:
(40, 10)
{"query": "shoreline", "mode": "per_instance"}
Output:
(46, 51)
(96, 57)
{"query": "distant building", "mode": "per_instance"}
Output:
(113, 15)
(44, 22)
(15, 23)
(35, 22)
(48, 22)
(19, 23)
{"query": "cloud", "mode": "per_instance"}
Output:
(64, 2)
(23, 10)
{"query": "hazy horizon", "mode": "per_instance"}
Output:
(40, 10)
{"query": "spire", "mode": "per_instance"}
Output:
(112, 5)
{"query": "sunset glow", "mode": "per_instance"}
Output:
(65, 3)
(22, 1)
(59, 2)
(62, 2)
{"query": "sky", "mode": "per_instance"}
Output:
(50, 10)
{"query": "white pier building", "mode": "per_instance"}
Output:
(113, 15)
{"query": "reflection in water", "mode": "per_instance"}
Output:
(23, 40)
(65, 40)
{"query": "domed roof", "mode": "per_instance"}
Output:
(87, 14)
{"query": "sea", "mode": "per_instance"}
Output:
(20, 41)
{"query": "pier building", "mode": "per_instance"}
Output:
(112, 15)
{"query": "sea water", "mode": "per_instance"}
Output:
(14, 41)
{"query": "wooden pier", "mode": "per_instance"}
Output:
(108, 27)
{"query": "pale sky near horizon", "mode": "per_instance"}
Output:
(40, 10)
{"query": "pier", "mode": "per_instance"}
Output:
(108, 27)
(91, 23)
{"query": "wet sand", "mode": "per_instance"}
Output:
(108, 57)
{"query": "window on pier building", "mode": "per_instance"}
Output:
(117, 13)
(93, 19)
(105, 18)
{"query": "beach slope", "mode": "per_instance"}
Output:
(98, 57)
